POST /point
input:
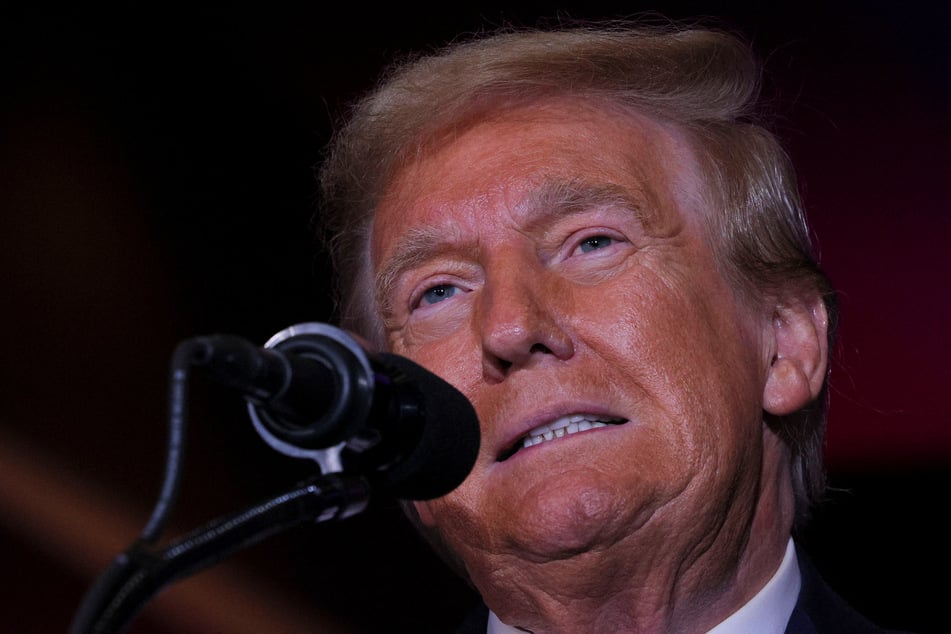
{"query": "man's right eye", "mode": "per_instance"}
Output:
(437, 294)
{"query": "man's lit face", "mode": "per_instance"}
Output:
(552, 264)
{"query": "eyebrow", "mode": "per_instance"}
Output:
(551, 200)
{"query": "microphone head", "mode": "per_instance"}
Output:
(449, 441)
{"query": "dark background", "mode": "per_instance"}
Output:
(156, 183)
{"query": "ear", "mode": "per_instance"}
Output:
(800, 356)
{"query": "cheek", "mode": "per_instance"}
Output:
(436, 344)
(459, 519)
(454, 359)
(689, 346)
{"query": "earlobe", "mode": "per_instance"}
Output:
(800, 359)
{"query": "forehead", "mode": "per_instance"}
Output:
(500, 165)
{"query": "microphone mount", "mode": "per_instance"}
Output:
(357, 382)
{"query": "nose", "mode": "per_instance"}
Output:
(521, 321)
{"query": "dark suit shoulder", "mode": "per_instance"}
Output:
(476, 621)
(820, 610)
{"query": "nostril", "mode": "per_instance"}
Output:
(540, 348)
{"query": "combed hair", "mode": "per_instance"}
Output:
(706, 82)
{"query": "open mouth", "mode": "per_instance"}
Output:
(564, 426)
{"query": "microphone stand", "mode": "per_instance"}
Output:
(142, 570)
(139, 573)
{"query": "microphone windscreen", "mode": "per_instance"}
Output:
(449, 442)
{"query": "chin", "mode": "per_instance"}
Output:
(563, 522)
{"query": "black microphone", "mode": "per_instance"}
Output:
(313, 390)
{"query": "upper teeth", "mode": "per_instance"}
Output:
(564, 426)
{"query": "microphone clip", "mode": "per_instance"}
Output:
(311, 339)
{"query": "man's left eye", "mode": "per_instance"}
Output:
(594, 243)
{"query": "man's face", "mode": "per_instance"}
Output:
(552, 264)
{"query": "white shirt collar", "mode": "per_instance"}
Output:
(767, 612)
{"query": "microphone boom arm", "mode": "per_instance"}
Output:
(139, 573)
